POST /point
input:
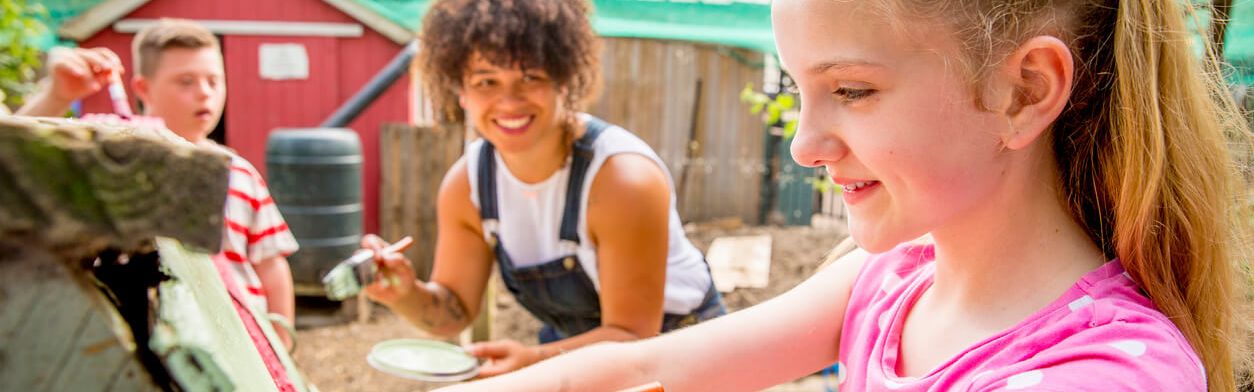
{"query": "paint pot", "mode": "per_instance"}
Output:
(423, 360)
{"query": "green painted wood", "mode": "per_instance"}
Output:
(21, 286)
(37, 349)
(184, 322)
(64, 336)
(99, 353)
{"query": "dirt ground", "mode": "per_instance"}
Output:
(331, 351)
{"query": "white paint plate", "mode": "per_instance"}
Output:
(423, 360)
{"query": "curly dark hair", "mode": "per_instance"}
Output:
(553, 35)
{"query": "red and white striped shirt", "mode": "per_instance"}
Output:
(254, 230)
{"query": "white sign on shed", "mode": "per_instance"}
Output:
(283, 62)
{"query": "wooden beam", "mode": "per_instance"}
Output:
(256, 27)
(64, 181)
(395, 32)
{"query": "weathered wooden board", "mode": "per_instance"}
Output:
(57, 333)
(79, 187)
(743, 261)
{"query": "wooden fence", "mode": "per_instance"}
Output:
(413, 160)
(660, 89)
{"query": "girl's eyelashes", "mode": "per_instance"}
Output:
(849, 94)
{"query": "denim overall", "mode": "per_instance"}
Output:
(559, 292)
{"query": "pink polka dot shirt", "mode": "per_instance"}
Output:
(1101, 335)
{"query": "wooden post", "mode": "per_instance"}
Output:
(481, 331)
(414, 161)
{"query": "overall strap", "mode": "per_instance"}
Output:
(581, 158)
(488, 212)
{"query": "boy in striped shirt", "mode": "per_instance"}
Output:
(180, 78)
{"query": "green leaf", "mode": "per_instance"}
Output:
(786, 101)
(19, 57)
(790, 129)
(746, 95)
(772, 113)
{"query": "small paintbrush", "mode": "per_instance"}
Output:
(356, 272)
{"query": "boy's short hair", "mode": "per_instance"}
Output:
(167, 33)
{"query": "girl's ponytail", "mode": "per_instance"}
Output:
(1175, 200)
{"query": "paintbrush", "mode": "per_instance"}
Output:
(117, 94)
(356, 272)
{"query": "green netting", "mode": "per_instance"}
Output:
(739, 23)
(1239, 41)
(58, 12)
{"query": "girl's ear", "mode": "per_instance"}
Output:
(1040, 74)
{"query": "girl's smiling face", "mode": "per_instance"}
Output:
(891, 114)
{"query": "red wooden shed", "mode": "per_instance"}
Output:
(342, 44)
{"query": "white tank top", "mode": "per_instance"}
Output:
(531, 216)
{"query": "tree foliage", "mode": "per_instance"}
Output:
(19, 57)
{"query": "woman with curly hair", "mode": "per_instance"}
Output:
(578, 214)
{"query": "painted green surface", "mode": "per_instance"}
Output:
(197, 314)
(796, 188)
(58, 333)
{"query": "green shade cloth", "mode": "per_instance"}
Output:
(1239, 41)
(737, 23)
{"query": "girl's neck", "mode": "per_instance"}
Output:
(1014, 254)
(547, 157)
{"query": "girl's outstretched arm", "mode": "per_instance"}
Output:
(785, 338)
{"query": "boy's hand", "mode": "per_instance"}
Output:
(76, 72)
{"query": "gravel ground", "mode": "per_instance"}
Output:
(331, 351)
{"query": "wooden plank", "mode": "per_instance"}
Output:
(68, 338)
(130, 377)
(98, 354)
(743, 261)
(36, 351)
(418, 158)
(115, 185)
(481, 330)
(390, 182)
(193, 319)
(648, 90)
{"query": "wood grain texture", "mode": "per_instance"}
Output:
(58, 333)
(414, 160)
(79, 187)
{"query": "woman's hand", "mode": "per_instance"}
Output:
(503, 356)
(395, 278)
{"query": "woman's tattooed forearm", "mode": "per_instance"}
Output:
(443, 309)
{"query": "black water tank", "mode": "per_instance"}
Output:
(315, 179)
